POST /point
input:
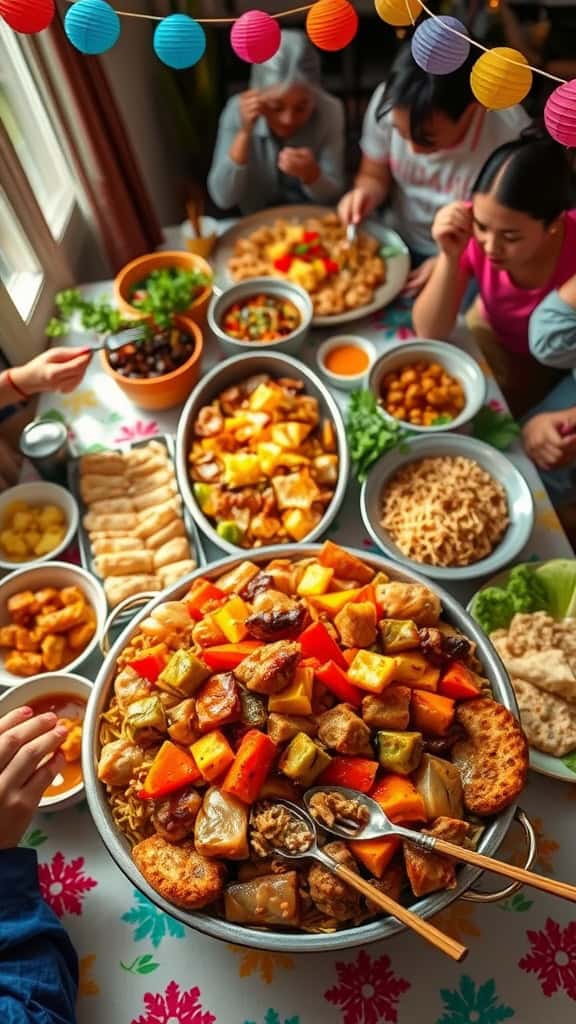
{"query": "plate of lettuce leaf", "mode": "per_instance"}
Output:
(527, 588)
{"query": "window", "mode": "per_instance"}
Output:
(32, 135)
(42, 224)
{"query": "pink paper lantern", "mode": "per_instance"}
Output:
(560, 114)
(255, 37)
(27, 16)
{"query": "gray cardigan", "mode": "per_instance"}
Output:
(259, 183)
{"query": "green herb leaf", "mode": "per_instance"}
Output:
(370, 433)
(496, 428)
(570, 760)
(439, 421)
(141, 965)
(167, 291)
(35, 839)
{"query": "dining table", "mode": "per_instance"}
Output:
(138, 965)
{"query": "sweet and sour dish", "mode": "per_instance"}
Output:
(264, 465)
(270, 679)
(317, 256)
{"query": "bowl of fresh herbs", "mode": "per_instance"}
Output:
(159, 285)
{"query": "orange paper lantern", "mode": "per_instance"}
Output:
(398, 12)
(331, 24)
(501, 78)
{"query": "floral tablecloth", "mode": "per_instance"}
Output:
(139, 966)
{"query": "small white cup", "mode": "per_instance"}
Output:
(346, 382)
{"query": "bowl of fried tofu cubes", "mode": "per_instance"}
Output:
(38, 521)
(66, 696)
(51, 618)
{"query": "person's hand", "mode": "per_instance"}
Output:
(10, 464)
(57, 369)
(251, 108)
(452, 229)
(358, 204)
(26, 740)
(418, 277)
(550, 438)
(299, 163)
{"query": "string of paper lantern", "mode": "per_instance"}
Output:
(501, 77)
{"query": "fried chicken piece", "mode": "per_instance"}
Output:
(178, 873)
(63, 620)
(24, 663)
(119, 762)
(270, 668)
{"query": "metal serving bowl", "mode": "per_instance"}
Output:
(270, 939)
(256, 286)
(456, 363)
(234, 371)
(500, 468)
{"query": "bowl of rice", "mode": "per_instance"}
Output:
(449, 506)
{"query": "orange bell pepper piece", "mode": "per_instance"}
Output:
(225, 657)
(375, 854)
(171, 769)
(332, 676)
(203, 592)
(399, 798)
(458, 682)
(432, 714)
(213, 754)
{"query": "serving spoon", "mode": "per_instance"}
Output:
(424, 928)
(379, 825)
(113, 342)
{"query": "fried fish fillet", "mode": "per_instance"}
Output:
(493, 759)
(178, 873)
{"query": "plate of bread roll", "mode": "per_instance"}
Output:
(135, 534)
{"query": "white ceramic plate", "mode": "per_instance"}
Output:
(397, 265)
(544, 764)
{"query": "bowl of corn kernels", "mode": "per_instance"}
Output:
(38, 521)
(428, 385)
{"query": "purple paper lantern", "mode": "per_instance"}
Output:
(436, 49)
(560, 114)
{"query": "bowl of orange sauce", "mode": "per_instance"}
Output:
(345, 360)
(66, 696)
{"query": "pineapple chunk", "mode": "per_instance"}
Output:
(50, 515)
(295, 699)
(299, 522)
(316, 580)
(290, 435)
(241, 470)
(296, 490)
(266, 397)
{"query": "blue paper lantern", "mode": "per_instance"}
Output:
(436, 49)
(179, 41)
(92, 26)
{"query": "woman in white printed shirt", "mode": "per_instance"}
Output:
(424, 142)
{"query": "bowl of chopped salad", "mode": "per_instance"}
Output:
(261, 313)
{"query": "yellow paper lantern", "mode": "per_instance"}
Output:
(398, 12)
(501, 78)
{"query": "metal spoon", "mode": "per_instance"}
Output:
(379, 825)
(113, 342)
(428, 931)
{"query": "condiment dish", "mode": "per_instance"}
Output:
(333, 356)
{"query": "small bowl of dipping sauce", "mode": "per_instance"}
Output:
(345, 360)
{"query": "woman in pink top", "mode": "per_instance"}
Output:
(518, 241)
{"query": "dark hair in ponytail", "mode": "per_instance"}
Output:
(530, 175)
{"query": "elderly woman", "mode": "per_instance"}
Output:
(282, 141)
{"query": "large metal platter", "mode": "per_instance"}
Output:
(397, 265)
